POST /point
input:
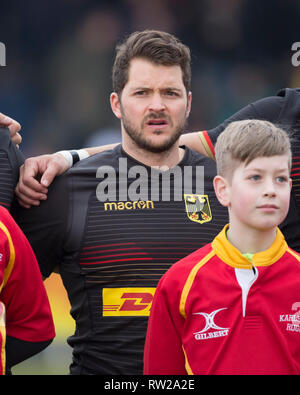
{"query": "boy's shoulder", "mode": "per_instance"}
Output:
(7, 226)
(294, 253)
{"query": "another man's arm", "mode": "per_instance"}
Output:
(31, 191)
(13, 126)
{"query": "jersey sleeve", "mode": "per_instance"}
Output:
(11, 158)
(45, 226)
(28, 313)
(163, 352)
(268, 109)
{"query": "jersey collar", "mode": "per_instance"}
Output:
(233, 257)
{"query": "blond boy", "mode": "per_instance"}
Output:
(231, 307)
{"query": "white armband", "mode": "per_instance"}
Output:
(74, 156)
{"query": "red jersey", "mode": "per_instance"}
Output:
(24, 307)
(216, 313)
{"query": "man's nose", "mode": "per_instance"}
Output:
(157, 103)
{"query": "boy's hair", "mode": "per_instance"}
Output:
(156, 46)
(243, 141)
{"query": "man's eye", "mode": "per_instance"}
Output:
(171, 93)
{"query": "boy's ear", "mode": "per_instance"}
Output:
(222, 190)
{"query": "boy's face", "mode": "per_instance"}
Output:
(259, 193)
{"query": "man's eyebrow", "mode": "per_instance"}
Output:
(170, 88)
(141, 87)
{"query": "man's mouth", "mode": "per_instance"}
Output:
(157, 122)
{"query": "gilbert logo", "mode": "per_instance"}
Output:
(210, 324)
(127, 301)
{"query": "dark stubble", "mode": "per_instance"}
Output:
(137, 136)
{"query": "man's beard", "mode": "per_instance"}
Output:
(146, 144)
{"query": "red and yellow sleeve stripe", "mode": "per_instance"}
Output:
(207, 144)
(7, 272)
(189, 282)
(2, 339)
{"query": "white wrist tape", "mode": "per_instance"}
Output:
(74, 156)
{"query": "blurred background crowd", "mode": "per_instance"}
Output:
(59, 55)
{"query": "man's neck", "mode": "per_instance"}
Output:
(166, 159)
(249, 240)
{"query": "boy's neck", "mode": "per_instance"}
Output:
(250, 240)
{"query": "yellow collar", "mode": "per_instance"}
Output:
(233, 257)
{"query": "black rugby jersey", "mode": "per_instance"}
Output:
(284, 111)
(111, 254)
(11, 158)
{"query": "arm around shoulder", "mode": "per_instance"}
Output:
(194, 142)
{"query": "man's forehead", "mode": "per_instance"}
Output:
(142, 71)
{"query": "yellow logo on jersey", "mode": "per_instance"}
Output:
(197, 208)
(136, 205)
(127, 301)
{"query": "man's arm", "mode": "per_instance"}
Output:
(11, 159)
(97, 150)
(191, 140)
(30, 191)
(17, 351)
(267, 109)
(13, 126)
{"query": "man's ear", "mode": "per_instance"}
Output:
(189, 104)
(115, 104)
(222, 190)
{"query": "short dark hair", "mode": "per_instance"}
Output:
(156, 46)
